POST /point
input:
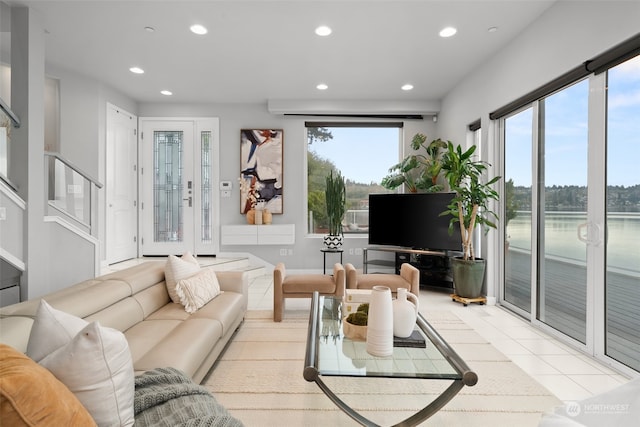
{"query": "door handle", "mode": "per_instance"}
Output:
(190, 199)
(589, 233)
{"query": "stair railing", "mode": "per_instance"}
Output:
(71, 190)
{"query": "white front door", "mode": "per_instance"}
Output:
(178, 212)
(121, 187)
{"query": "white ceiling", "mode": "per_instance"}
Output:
(261, 50)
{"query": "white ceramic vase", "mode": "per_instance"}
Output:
(380, 322)
(405, 313)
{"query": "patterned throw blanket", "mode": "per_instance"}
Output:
(167, 397)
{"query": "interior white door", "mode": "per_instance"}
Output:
(121, 185)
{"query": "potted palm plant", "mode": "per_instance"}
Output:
(469, 208)
(336, 200)
(417, 171)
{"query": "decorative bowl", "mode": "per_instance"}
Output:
(354, 332)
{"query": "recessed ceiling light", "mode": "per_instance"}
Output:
(492, 29)
(136, 70)
(323, 30)
(149, 29)
(322, 86)
(448, 32)
(198, 29)
(407, 87)
(166, 92)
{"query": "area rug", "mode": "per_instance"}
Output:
(259, 380)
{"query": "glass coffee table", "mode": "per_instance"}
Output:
(330, 353)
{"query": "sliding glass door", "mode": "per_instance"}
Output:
(622, 282)
(572, 213)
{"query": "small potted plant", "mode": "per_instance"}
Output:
(336, 200)
(354, 325)
(418, 171)
(469, 208)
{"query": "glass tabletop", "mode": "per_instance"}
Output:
(329, 353)
(337, 355)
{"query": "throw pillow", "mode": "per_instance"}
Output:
(197, 290)
(96, 366)
(179, 268)
(51, 330)
(31, 396)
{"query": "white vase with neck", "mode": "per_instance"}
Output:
(405, 313)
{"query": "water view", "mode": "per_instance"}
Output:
(623, 248)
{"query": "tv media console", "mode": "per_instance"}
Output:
(434, 266)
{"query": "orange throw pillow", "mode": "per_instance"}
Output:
(31, 396)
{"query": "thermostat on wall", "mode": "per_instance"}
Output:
(225, 185)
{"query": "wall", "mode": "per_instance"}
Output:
(306, 251)
(82, 139)
(566, 35)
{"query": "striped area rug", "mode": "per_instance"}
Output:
(259, 380)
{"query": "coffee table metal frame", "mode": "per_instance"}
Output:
(463, 374)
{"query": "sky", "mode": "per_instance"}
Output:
(362, 155)
(566, 142)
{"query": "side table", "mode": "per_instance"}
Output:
(324, 254)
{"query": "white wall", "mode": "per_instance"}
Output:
(233, 118)
(566, 35)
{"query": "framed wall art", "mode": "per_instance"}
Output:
(261, 170)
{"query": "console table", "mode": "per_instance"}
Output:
(326, 356)
(433, 265)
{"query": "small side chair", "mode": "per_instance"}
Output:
(303, 286)
(409, 278)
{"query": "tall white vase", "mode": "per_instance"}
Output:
(405, 313)
(380, 322)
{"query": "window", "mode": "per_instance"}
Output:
(363, 153)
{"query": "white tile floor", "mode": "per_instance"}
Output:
(566, 372)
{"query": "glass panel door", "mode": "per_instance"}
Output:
(179, 212)
(622, 283)
(562, 207)
(168, 188)
(518, 214)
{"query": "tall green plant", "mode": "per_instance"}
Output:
(470, 206)
(417, 171)
(336, 199)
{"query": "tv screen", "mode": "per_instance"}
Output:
(413, 221)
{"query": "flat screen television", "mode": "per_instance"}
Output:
(412, 220)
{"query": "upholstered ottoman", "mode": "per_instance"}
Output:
(303, 286)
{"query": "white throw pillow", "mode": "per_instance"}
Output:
(96, 366)
(197, 290)
(179, 268)
(51, 330)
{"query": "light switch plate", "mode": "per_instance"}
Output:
(3, 213)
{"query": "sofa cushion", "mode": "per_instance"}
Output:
(197, 290)
(51, 330)
(184, 348)
(96, 366)
(31, 396)
(179, 268)
(147, 334)
(224, 308)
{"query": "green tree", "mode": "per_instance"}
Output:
(318, 134)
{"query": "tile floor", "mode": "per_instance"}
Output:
(566, 372)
